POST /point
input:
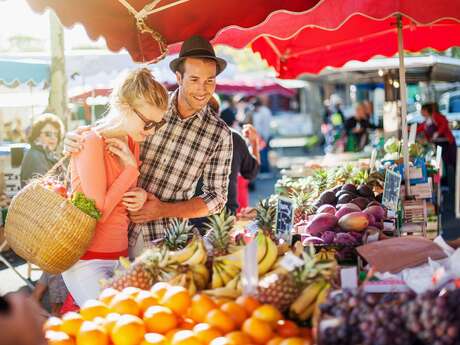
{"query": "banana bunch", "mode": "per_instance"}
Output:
(226, 269)
(309, 300)
(186, 280)
(193, 254)
(326, 254)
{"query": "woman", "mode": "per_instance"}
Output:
(107, 168)
(44, 139)
(357, 129)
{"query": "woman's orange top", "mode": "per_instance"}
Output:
(103, 178)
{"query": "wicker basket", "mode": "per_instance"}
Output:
(46, 229)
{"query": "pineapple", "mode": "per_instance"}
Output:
(344, 174)
(177, 236)
(142, 273)
(266, 213)
(219, 231)
(321, 181)
(278, 289)
(282, 288)
(303, 208)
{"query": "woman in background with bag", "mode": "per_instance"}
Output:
(105, 170)
(44, 139)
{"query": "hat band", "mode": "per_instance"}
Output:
(198, 52)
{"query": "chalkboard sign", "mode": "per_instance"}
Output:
(391, 189)
(284, 218)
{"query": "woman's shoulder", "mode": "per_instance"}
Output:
(92, 139)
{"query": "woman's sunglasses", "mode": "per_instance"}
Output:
(149, 124)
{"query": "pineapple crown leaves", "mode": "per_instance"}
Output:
(176, 237)
(314, 268)
(266, 213)
(219, 227)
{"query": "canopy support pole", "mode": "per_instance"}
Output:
(403, 97)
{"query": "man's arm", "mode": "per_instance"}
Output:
(213, 199)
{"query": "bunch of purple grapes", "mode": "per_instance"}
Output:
(434, 319)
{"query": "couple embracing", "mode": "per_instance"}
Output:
(142, 162)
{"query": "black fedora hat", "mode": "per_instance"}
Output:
(197, 47)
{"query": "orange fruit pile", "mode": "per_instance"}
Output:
(168, 315)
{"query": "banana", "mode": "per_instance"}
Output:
(223, 274)
(200, 276)
(230, 269)
(176, 280)
(235, 258)
(222, 292)
(270, 258)
(307, 297)
(308, 313)
(180, 256)
(262, 246)
(322, 296)
(217, 281)
(232, 284)
(198, 257)
(190, 283)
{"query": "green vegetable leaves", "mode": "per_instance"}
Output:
(86, 205)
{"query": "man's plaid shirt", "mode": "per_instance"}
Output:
(174, 158)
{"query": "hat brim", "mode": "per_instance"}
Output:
(221, 63)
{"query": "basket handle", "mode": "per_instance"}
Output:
(60, 163)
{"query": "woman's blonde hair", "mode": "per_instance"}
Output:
(139, 83)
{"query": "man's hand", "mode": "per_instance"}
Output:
(251, 133)
(135, 199)
(73, 141)
(151, 211)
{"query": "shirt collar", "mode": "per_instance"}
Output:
(175, 112)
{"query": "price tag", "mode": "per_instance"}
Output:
(250, 270)
(284, 219)
(290, 262)
(391, 190)
(373, 159)
(438, 157)
(412, 133)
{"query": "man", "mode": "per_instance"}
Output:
(193, 143)
(262, 118)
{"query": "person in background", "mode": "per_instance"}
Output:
(357, 129)
(245, 163)
(436, 130)
(106, 170)
(261, 120)
(333, 121)
(44, 139)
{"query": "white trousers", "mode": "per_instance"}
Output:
(82, 279)
(138, 248)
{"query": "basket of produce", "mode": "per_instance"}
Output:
(47, 227)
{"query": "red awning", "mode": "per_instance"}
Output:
(334, 32)
(174, 20)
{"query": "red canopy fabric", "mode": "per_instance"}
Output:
(184, 18)
(359, 38)
(336, 31)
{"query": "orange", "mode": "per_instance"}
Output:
(268, 313)
(159, 289)
(296, 341)
(259, 331)
(177, 299)
(159, 319)
(220, 320)
(71, 323)
(235, 311)
(201, 306)
(186, 323)
(286, 328)
(221, 341)
(185, 337)
(169, 335)
(238, 338)
(93, 308)
(52, 324)
(107, 294)
(58, 338)
(275, 341)
(128, 330)
(131, 291)
(145, 299)
(124, 304)
(249, 303)
(110, 321)
(206, 333)
(222, 300)
(154, 339)
(91, 333)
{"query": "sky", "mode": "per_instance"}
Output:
(17, 18)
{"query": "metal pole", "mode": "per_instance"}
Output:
(403, 93)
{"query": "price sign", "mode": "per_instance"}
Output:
(412, 133)
(391, 190)
(284, 219)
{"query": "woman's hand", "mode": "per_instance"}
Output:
(135, 199)
(73, 141)
(121, 149)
